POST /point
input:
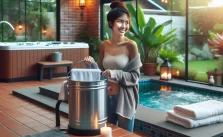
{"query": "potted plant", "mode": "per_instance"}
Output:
(149, 38)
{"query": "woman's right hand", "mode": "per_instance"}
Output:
(89, 60)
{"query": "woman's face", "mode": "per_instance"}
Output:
(121, 25)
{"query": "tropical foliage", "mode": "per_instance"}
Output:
(170, 55)
(148, 35)
(93, 42)
(8, 34)
(216, 42)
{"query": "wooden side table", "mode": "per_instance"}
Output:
(48, 64)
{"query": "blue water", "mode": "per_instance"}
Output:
(163, 96)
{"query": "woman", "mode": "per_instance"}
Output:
(120, 62)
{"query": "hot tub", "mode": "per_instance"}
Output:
(41, 45)
(18, 59)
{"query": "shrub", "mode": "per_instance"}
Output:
(93, 42)
(202, 54)
(191, 73)
(201, 78)
(220, 63)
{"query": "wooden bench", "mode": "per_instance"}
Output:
(48, 64)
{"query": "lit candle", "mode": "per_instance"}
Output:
(164, 76)
(169, 76)
(178, 73)
(106, 132)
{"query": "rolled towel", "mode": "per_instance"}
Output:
(189, 123)
(200, 110)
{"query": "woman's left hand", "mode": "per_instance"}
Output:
(106, 73)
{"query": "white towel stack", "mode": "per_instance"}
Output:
(197, 114)
(79, 75)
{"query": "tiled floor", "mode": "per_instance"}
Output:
(19, 117)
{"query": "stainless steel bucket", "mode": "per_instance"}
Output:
(87, 105)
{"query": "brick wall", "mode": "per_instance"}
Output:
(71, 24)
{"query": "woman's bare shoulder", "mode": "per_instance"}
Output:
(104, 43)
(132, 48)
(128, 42)
(132, 43)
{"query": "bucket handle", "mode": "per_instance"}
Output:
(72, 67)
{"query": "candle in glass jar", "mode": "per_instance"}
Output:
(169, 76)
(164, 76)
(106, 132)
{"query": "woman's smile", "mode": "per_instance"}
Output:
(122, 30)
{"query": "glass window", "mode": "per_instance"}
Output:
(164, 11)
(20, 22)
(32, 20)
(48, 20)
(1, 18)
(203, 20)
(8, 20)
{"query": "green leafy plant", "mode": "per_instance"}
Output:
(170, 55)
(8, 34)
(33, 19)
(197, 31)
(216, 42)
(218, 28)
(191, 73)
(148, 36)
(93, 42)
(220, 63)
(94, 47)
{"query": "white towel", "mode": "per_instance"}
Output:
(85, 74)
(189, 123)
(63, 95)
(79, 75)
(200, 110)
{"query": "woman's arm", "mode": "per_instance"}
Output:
(127, 78)
(101, 55)
(130, 75)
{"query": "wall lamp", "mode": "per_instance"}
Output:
(44, 29)
(20, 25)
(82, 4)
(44, 32)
